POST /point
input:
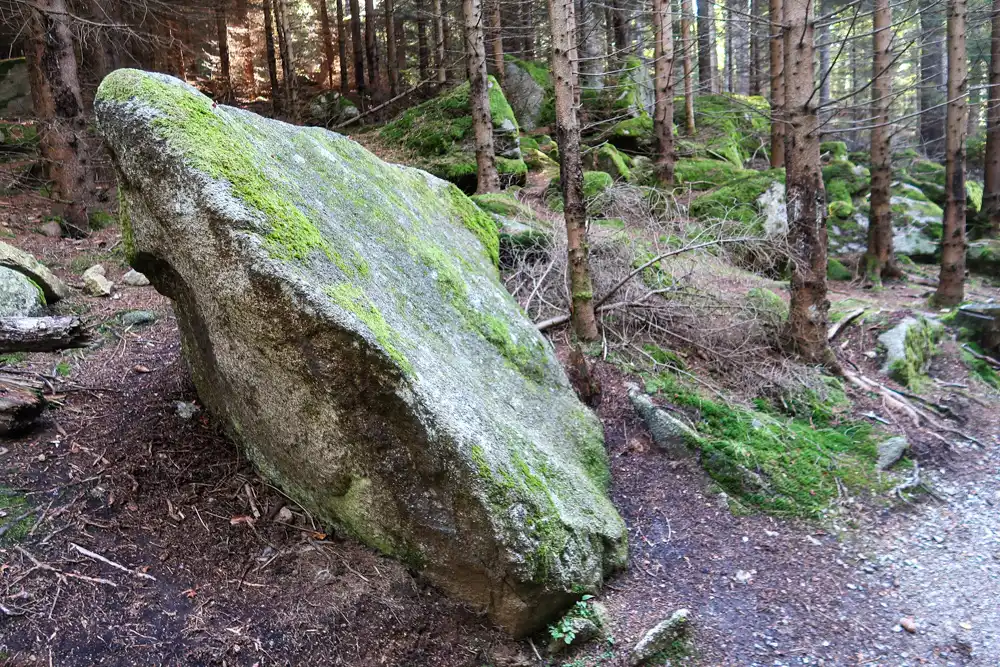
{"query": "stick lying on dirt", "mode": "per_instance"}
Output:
(995, 363)
(41, 334)
(842, 324)
(99, 557)
(39, 565)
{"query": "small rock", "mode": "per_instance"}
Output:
(95, 283)
(135, 279)
(51, 229)
(19, 296)
(284, 515)
(581, 628)
(669, 433)
(908, 624)
(743, 577)
(186, 410)
(890, 451)
(136, 318)
(660, 637)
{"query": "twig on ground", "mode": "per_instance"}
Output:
(843, 324)
(39, 565)
(99, 557)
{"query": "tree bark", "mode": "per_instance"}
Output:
(358, 47)
(991, 180)
(246, 46)
(707, 76)
(390, 48)
(21, 403)
(423, 48)
(756, 70)
(222, 34)
(327, 35)
(823, 36)
(776, 21)
(591, 75)
(620, 23)
(496, 41)
(663, 111)
(342, 47)
(41, 334)
(400, 34)
(272, 65)
(687, 17)
(565, 78)
(951, 286)
(879, 259)
(806, 200)
(287, 58)
(55, 92)
(730, 69)
(371, 45)
(932, 98)
(479, 97)
(440, 39)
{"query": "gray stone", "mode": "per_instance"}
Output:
(331, 109)
(582, 628)
(95, 283)
(19, 297)
(22, 262)
(186, 410)
(344, 318)
(524, 94)
(135, 318)
(51, 229)
(135, 279)
(983, 321)
(909, 348)
(890, 451)
(15, 90)
(660, 637)
(669, 433)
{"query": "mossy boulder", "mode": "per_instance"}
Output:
(15, 89)
(755, 198)
(528, 87)
(595, 183)
(728, 127)
(330, 109)
(917, 223)
(835, 270)
(705, 174)
(437, 136)
(844, 180)
(24, 263)
(909, 348)
(833, 150)
(929, 178)
(767, 305)
(344, 319)
(610, 160)
(984, 257)
(19, 296)
(521, 231)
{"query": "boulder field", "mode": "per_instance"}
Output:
(344, 318)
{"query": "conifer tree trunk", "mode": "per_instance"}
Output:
(327, 36)
(222, 34)
(55, 93)
(663, 66)
(423, 48)
(527, 30)
(623, 42)
(479, 97)
(496, 40)
(687, 18)
(730, 69)
(246, 46)
(951, 287)
(707, 77)
(823, 37)
(371, 45)
(390, 48)
(756, 69)
(400, 33)
(991, 180)
(591, 76)
(272, 65)
(932, 97)
(440, 40)
(776, 21)
(879, 259)
(287, 58)
(358, 48)
(565, 79)
(806, 199)
(342, 47)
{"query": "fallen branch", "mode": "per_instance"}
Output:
(41, 334)
(995, 363)
(20, 402)
(39, 565)
(98, 557)
(842, 324)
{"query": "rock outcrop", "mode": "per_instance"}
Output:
(344, 318)
(19, 296)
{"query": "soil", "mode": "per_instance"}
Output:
(219, 568)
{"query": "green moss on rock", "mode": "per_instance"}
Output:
(910, 346)
(705, 174)
(835, 270)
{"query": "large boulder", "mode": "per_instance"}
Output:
(19, 296)
(52, 288)
(15, 90)
(344, 318)
(528, 87)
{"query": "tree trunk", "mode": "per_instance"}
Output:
(440, 38)
(687, 18)
(706, 49)
(991, 180)
(246, 46)
(823, 37)
(423, 49)
(879, 259)
(807, 238)
(222, 34)
(287, 58)
(527, 30)
(55, 91)
(777, 84)
(342, 47)
(327, 36)
(358, 47)
(623, 42)
(479, 97)
(951, 287)
(400, 34)
(272, 65)
(756, 70)
(663, 112)
(591, 76)
(371, 45)
(496, 40)
(932, 98)
(564, 75)
(390, 48)
(730, 69)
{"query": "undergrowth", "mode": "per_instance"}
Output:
(15, 516)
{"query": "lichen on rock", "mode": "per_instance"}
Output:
(909, 348)
(344, 319)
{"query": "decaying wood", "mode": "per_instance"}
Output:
(41, 334)
(842, 324)
(20, 402)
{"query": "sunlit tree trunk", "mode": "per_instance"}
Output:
(951, 287)
(327, 35)
(479, 97)
(390, 48)
(371, 45)
(272, 65)
(687, 18)
(222, 34)
(342, 47)
(246, 46)
(991, 181)
(777, 84)
(440, 40)
(287, 58)
(358, 47)
(496, 40)
(879, 261)
(565, 78)
(707, 75)
(932, 98)
(55, 92)
(806, 199)
(663, 112)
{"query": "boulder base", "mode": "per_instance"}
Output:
(344, 318)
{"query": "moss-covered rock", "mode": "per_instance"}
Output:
(19, 296)
(767, 305)
(344, 319)
(595, 183)
(844, 180)
(330, 109)
(705, 174)
(728, 127)
(438, 137)
(984, 257)
(833, 150)
(909, 348)
(521, 231)
(529, 89)
(609, 159)
(835, 270)
(743, 198)
(929, 178)
(52, 287)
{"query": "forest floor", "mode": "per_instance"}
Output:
(221, 568)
